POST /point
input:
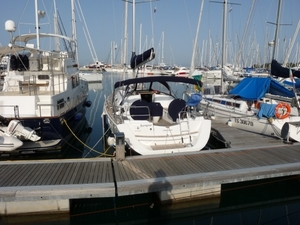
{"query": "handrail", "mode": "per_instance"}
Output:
(15, 109)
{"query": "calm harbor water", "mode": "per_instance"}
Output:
(273, 201)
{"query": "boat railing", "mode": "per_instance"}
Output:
(15, 110)
(43, 110)
(52, 63)
(56, 109)
(60, 107)
(31, 85)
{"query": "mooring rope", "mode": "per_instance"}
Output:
(93, 150)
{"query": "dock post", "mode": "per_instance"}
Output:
(120, 145)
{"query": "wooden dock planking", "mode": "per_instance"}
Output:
(27, 176)
(244, 139)
(138, 168)
(64, 177)
(54, 171)
(251, 157)
(6, 173)
(38, 176)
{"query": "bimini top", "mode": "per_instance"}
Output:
(14, 48)
(27, 37)
(160, 79)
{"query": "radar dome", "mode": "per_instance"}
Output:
(10, 26)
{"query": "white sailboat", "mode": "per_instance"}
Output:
(153, 119)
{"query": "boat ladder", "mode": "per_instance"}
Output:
(181, 121)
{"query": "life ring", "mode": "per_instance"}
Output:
(282, 110)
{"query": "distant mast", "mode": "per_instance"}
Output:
(37, 26)
(192, 67)
(162, 48)
(224, 43)
(57, 45)
(133, 32)
(74, 34)
(277, 29)
(125, 35)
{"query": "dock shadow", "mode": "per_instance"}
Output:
(160, 190)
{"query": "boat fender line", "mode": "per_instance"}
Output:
(92, 149)
(282, 110)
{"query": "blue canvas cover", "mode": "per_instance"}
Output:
(255, 88)
(291, 84)
(276, 88)
(266, 110)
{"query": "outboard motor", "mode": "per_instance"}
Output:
(15, 128)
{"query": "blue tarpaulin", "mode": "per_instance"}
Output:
(255, 88)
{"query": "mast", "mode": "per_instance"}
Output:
(224, 41)
(239, 55)
(277, 29)
(192, 67)
(38, 14)
(57, 45)
(37, 26)
(125, 33)
(291, 45)
(133, 32)
(87, 35)
(162, 48)
(74, 35)
(140, 41)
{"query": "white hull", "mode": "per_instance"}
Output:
(169, 132)
(148, 138)
(243, 119)
(93, 77)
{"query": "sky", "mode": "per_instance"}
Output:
(175, 20)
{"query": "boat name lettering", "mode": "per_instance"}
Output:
(245, 122)
(146, 125)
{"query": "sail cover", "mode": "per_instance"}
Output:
(279, 71)
(139, 60)
(254, 88)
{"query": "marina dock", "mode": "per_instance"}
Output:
(48, 185)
